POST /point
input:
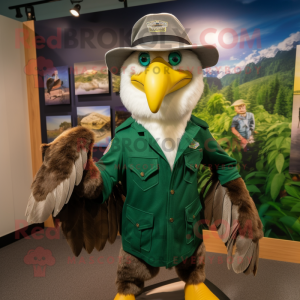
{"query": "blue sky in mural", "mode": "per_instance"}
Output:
(270, 26)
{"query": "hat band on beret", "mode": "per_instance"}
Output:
(160, 38)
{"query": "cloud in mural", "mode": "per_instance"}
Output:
(254, 57)
(233, 58)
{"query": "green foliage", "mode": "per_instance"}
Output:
(206, 90)
(275, 191)
(273, 93)
(216, 104)
(236, 90)
(229, 94)
(251, 98)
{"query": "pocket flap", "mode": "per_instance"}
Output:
(141, 219)
(190, 163)
(193, 210)
(142, 166)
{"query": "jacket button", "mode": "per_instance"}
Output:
(142, 174)
(196, 166)
(137, 225)
(171, 220)
(172, 192)
(194, 217)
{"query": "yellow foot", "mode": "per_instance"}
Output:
(124, 297)
(198, 292)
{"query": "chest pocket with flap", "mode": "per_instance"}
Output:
(144, 172)
(192, 162)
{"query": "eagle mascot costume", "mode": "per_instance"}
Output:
(153, 161)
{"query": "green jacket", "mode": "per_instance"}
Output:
(161, 215)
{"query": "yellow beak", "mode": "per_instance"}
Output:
(159, 80)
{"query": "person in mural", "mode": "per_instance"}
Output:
(243, 124)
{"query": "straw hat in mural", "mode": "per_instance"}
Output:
(160, 32)
(239, 102)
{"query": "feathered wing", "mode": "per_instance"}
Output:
(69, 185)
(234, 214)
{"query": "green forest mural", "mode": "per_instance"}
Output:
(265, 167)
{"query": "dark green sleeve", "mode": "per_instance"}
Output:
(111, 167)
(218, 160)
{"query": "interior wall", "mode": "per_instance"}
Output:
(15, 150)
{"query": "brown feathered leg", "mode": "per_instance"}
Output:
(132, 273)
(192, 270)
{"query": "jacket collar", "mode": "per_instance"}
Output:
(191, 131)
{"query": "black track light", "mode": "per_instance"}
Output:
(18, 14)
(75, 11)
(125, 3)
(29, 10)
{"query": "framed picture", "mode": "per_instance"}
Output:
(56, 85)
(121, 115)
(116, 83)
(91, 78)
(56, 125)
(97, 119)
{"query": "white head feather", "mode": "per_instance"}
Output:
(176, 109)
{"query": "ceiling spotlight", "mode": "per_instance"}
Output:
(29, 10)
(75, 11)
(18, 14)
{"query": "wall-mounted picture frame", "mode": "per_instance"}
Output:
(97, 119)
(116, 83)
(56, 125)
(121, 115)
(91, 78)
(57, 86)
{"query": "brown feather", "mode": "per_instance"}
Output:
(59, 157)
(112, 219)
(89, 234)
(101, 227)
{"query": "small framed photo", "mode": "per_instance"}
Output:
(97, 119)
(57, 86)
(56, 125)
(91, 78)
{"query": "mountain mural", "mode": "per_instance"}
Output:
(283, 61)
